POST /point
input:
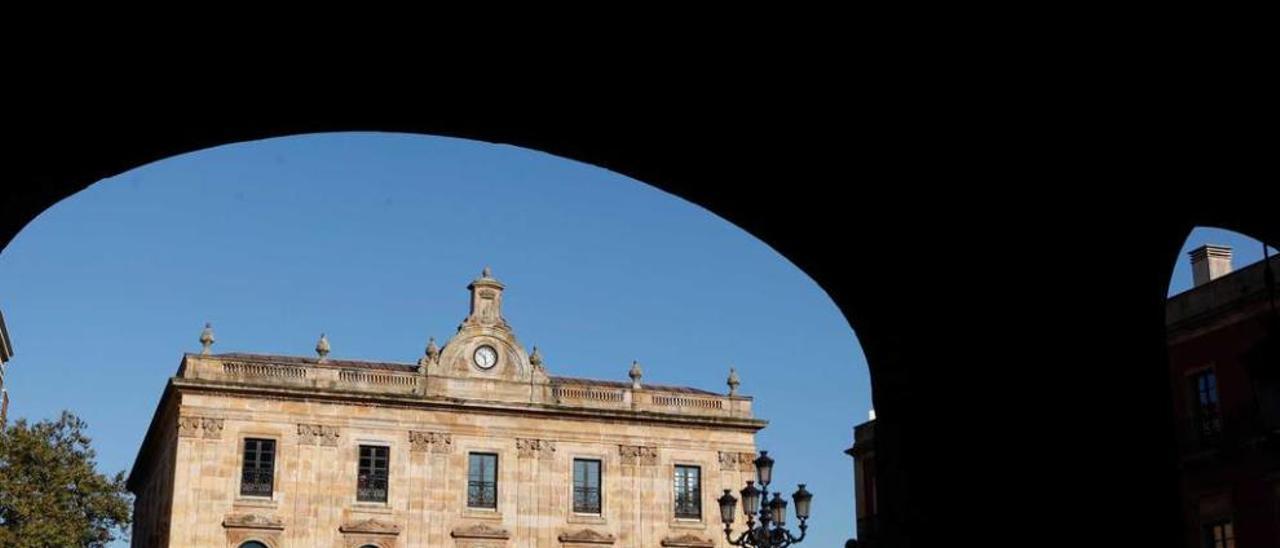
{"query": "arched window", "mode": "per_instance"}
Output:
(253, 544)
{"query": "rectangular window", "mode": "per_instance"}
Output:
(371, 486)
(258, 468)
(688, 492)
(482, 481)
(586, 486)
(1205, 408)
(1219, 534)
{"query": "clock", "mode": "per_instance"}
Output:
(485, 357)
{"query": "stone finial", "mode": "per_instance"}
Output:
(432, 353)
(206, 338)
(535, 359)
(322, 347)
(635, 375)
(486, 273)
(733, 382)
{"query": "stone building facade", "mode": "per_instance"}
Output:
(474, 446)
(1224, 373)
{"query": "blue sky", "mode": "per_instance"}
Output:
(1244, 252)
(372, 239)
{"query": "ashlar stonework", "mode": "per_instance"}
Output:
(421, 426)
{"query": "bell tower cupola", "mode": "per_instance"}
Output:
(486, 301)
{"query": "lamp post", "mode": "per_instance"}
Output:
(772, 513)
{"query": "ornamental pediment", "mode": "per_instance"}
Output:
(372, 526)
(586, 536)
(252, 521)
(481, 531)
(688, 540)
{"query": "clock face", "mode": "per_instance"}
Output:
(485, 357)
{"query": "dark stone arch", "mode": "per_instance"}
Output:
(953, 331)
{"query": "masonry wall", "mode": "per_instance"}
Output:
(314, 497)
(1217, 483)
(152, 505)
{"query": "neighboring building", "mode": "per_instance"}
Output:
(864, 481)
(1224, 369)
(475, 446)
(6, 352)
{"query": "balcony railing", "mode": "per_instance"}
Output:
(1236, 430)
(482, 494)
(256, 482)
(688, 506)
(372, 488)
(586, 500)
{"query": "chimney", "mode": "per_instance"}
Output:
(1210, 262)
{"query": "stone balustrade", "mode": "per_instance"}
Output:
(334, 376)
(652, 400)
(355, 378)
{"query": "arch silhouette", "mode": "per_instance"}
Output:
(929, 342)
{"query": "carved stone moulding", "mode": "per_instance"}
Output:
(638, 454)
(237, 537)
(434, 442)
(252, 521)
(743, 462)
(189, 427)
(747, 462)
(535, 448)
(481, 531)
(688, 540)
(200, 427)
(370, 526)
(318, 434)
(586, 536)
(212, 428)
(728, 461)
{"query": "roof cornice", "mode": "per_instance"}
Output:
(466, 405)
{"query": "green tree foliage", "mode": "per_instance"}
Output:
(50, 491)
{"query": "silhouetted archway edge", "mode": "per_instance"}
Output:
(160, 149)
(911, 353)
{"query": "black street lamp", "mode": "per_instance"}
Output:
(756, 503)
